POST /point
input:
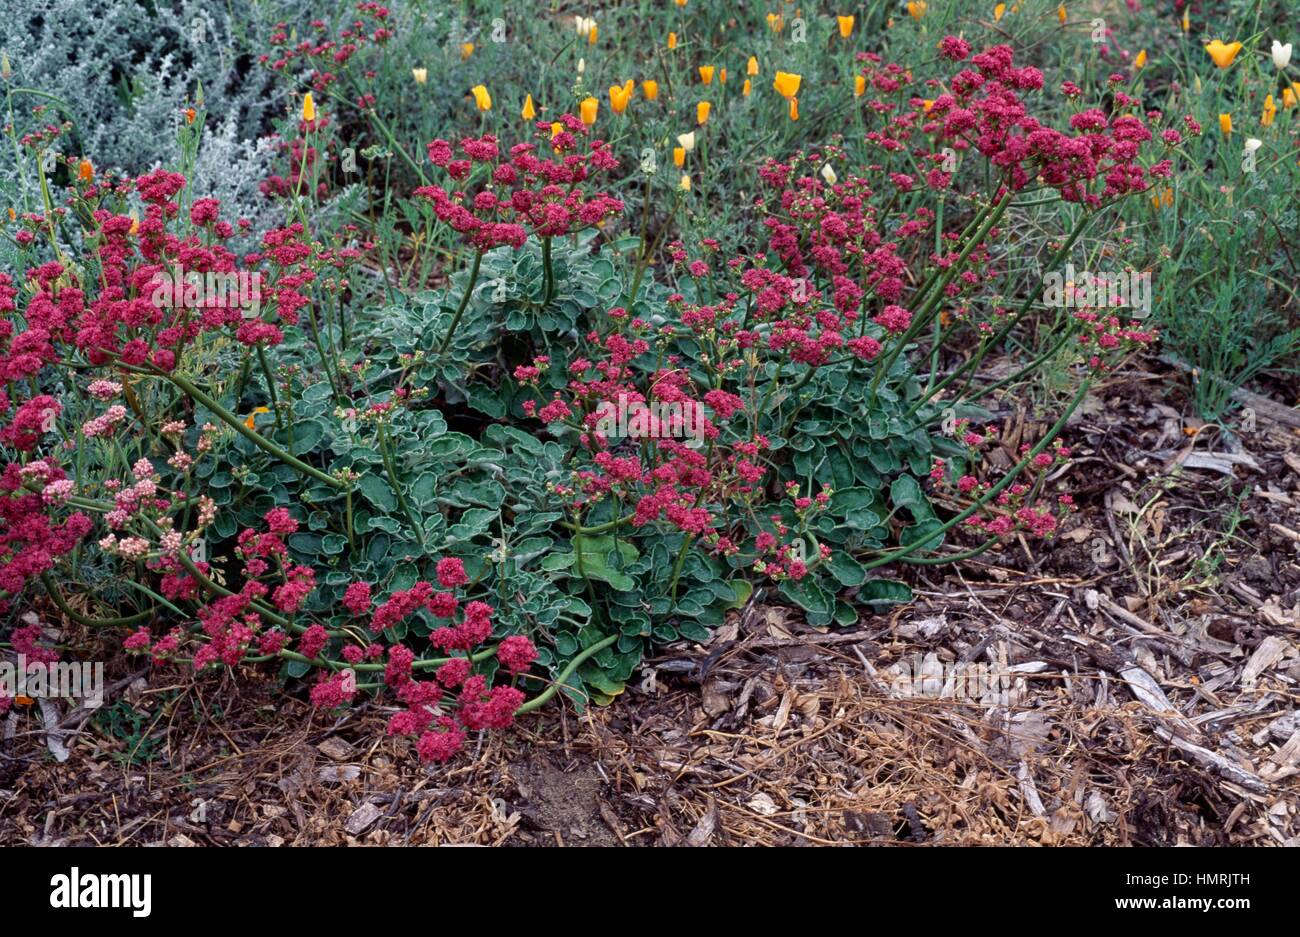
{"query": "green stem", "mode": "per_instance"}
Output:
(464, 301)
(548, 271)
(993, 492)
(390, 470)
(256, 438)
(677, 566)
(53, 589)
(951, 557)
(931, 302)
(541, 699)
(270, 385)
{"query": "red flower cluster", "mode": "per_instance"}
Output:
(983, 109)
(372, 28)
(523, 194)
(30, 540)
(477, 706)
(1018, 508)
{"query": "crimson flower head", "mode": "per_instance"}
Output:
(516, 653)
(451, 573)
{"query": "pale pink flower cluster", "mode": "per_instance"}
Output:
(171, 543)
(131, 498)
(57, 492)
(104, 390)
(132, 548)
(104, 424)
(38, 470)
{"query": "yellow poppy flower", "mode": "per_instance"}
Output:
(1225, 123)
(916, 9)
(618, 98)
(787, 84)
(998, 12)
(706, 74)
(650, 88)
(421, 75)
(1270, 111)
(672, 40)
(252, 417)
(466, 50)
(587, 110)
(529, 112)
(859, 86)
(846, 26)
(1141, 59)
(751, 67)
(308, 107)
(702, 111)
(746, 88)
(1223, 54)
(1060, 14)
(481, 97)
(679, 156)
(794, 109)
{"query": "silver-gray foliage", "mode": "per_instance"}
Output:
(125, 70)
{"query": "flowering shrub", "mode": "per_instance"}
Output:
(285, 448)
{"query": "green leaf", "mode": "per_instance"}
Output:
(306, 435)
(846, 570)
(554, 562)
(882, 593)
(376, 490)
(857, 505)
(808, 595)
(906, 492)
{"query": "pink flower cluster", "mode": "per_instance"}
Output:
(523, 194)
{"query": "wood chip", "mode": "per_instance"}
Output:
(362, 818)
(703, 831)
(1269, 652)
(336, 748)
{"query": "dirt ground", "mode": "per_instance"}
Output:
(1146, 664)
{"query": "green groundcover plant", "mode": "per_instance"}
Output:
(233, 451)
